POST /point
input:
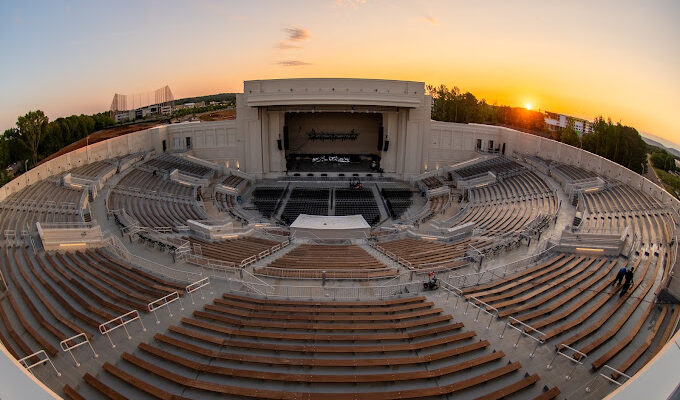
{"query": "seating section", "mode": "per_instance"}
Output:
(150, 183)
(497, 165)
(233, 181)
(432, 182)
(233, 250)
(397, 200)
(308, 261)
(573, 173)
(351, 202)
(309, 201)
(430, 254)
(266, 200)
(614, 208)
(242, 347)
(572, 301)
(168, 162)
(53, 297)
(510, 205)
(44, 201)
(94, 170)
(153, 201)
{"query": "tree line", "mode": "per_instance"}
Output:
(614, 141)
(35, 137)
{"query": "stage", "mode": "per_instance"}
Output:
(333, 163)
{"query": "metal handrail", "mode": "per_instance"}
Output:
(107, 327)
(165, 301)
(576, 361)
(523, 332)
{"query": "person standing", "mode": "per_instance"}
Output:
(619, 276)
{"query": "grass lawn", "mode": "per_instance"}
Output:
(670, 181)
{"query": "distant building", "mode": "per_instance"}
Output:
(126, 108)
(12, 169)
(556, 122)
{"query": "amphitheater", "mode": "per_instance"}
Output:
(283, 255)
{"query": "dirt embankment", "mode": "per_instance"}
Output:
(109, 133)
(98, 136)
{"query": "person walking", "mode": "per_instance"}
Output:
(627, 281)
(619, 276)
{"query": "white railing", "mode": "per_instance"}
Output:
(121, 321)
(165, 301)
(481, 306)
(322, 273)
(198, 285)
(211, 263)
(589, 388)
(42, 359)
(576, 361)
(72, 343)
(526, 330)
(497, 272)
(325, 292)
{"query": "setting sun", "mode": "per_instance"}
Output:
(527, 106)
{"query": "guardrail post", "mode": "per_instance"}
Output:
(66, 347)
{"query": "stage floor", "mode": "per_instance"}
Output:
(309, 166)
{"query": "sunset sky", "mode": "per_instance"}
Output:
(617, 58)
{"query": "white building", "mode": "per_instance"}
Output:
(556, 122)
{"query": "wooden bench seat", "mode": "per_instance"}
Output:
(271, 394)
(71, 393)
(513, 277)
(275, 307)
(350, 361)
(320, 326)
(141, 384)
(310, 376)
(327, 317)
(602, 338)
(628, 339)
(511, 389)
(565, 298)
(326, 348)
(379, 304)
(106, 390)
(621, 320)
(49, 286)
(114, 295)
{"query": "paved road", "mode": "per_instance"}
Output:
(651, 174)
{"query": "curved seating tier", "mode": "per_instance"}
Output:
(571, 299)
(53, 297)
(155, 202)
(168, 162)
(232, 250)
(496, 165)
(429, 254)
(95, 169)
(345, 261)
(242, 347)
(574, 173)
(614, 208)
(44, 201)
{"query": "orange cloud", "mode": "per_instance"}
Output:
(297, 34)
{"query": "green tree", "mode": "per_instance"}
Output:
(32, 127)
(663, 160)
(570, 137)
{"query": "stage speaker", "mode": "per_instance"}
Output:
(285, 137)
(380, 138)
(279, 144)
(386, 146)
